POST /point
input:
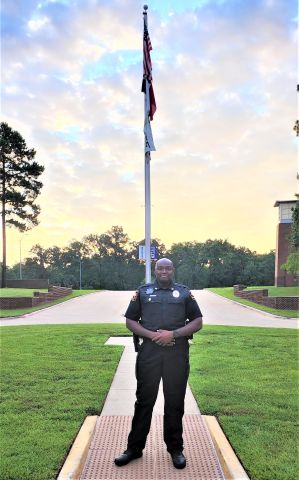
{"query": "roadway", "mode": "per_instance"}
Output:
(109, 307)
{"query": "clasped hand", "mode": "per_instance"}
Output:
(164, 338)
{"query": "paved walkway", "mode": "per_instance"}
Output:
(109, 306)
(112, 428)
(121, 397)
(218, 310)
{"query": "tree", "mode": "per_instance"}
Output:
(294, 237)
(292, 264)
(19, 185)
(37, 264)
(190, 267)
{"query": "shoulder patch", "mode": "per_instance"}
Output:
(135, 296)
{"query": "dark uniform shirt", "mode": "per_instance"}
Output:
(163, 308)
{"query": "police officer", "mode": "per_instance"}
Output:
(158, 314)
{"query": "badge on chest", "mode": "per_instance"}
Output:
(176, 294)
(149, 291)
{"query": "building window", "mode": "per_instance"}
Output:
(286, 212)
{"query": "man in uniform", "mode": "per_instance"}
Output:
(157, 314)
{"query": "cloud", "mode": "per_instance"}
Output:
(224, 79)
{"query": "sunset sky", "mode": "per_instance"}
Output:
(225, 84)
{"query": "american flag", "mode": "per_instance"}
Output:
(147, 71)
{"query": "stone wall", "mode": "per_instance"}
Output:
(261, 297)
(38, 298)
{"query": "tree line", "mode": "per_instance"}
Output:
(110, 261)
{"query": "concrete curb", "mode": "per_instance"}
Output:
(230, 464)
(75, 460)
(251, 308)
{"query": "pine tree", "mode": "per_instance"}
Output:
(19, 185)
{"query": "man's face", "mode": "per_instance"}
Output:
(164, 271)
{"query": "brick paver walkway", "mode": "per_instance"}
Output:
(113, 426)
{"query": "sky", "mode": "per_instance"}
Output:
(224, 74)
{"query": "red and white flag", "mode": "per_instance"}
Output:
(147, 88)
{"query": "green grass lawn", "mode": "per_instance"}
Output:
(279, 291)
(52, 377)
(248, 379)
(18, 292)
(228, 292)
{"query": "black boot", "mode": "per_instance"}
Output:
(127, 457)
(178, 459)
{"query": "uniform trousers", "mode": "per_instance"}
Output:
(172, 365)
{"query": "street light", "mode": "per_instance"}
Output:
(21, 238)
(80, 282)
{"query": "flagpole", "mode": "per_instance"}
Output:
(147, 189)
(147, 180)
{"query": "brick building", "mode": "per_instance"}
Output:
(282, 278)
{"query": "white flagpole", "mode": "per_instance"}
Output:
(147, 185)
(147, 180)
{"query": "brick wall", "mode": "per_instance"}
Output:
(282, 277)
(15, 302)
(38, 298)
(261, 297)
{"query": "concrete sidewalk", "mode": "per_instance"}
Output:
(121, 396)
(104, 437)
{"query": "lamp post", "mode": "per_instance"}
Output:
(80, 274)
(21, 238)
